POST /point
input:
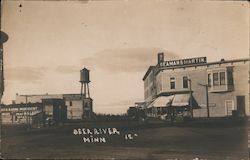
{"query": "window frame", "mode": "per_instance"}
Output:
(216, 81)
(185, 82)
(220, 78)
(172, 83)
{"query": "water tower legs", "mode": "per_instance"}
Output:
(86, 100)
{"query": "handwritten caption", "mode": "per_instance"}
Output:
(99, 135)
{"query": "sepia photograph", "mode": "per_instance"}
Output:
(125, 79)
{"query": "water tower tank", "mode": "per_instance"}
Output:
(84, 75)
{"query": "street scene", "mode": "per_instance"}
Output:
(128, 82)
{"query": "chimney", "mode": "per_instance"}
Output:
(160, 57)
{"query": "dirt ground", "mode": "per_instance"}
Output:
(149, 142)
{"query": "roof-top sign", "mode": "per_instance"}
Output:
(181, 62)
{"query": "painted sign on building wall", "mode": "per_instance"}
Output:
(181, 62)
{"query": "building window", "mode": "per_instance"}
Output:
(216, 78)
(70, 103)
(222, 78)
(172, 83)
(209, 79)
(185, 82)
(230, 77)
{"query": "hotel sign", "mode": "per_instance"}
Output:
(182, 62)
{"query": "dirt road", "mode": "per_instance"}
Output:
(149, 142)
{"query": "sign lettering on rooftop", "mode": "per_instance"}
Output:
(181, 62)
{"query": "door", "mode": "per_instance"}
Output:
(241, 105)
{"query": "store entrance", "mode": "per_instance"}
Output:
(241, 105)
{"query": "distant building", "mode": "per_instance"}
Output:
(73, 103)
(35, 98)
(87, 108)
(54, 109)
(182, 84)
(137, 111)
(29, 113)
(19, 113)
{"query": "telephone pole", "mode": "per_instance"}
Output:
(190, 99)
(207, 100)
(28, 110)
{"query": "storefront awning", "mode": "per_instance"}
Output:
(181, 100)
(162, 101)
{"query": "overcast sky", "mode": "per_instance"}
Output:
(50, 41)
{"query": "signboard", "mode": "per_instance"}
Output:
(182, 62)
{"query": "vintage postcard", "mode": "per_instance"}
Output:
(124, 79)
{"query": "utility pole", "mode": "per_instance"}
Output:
(28, 111)
(207, 100)
(208, 112)
(26, 102)
(190, 99)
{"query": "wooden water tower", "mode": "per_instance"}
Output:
(84, 80)
(86, 100)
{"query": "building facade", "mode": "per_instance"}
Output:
(215, 89)
(34, 113)
(74, 105)
(19, 113)
(54, 109)
(73, 102)
(149, 84)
